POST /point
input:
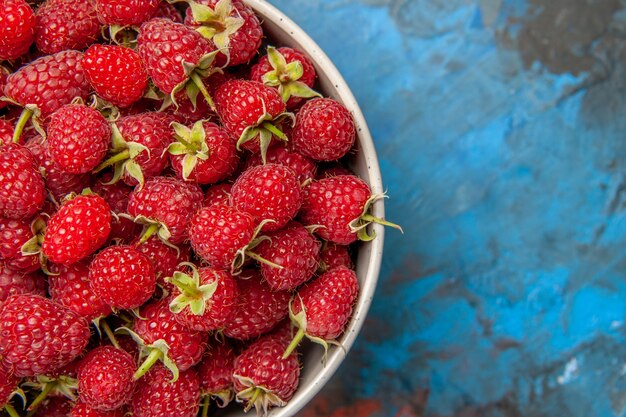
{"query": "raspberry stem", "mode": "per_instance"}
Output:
(262, 260)
(152, 358)
(294, 343)
(122, 156)
(275, 131)
(42, 396)
(151, 230)
(205, 406)
(252, 400)
(10, 410)
(21, 123)
(110, 335)
(197, 80)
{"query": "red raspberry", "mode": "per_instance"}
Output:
(70, 286)
(324, 130)
(65, 24)
(168, 11)
(58, 182)
(289, 71)
(78, 138)
(4, 74)
(125, 12)
(49, 82)
(116, 73)
(304, 167)
(16, 282)
(157, 396)
(167, 202)
(77, 230)
(105, 378)
(259, 308)
(268, 192)
(157, 322)
(333, 256)
(83, 410)
(216, 370)
(165, 259)
(251, 112)
(334, 171)
(204, 154)
(204, 299)
(54, 407)
(17, 28)
(8, 384)
(295, 250)
(39, 336)
(123, 230)
(6, 127)
(218, 194)
(232, 18)
(164, 45)
(321, 308)
(122, 277)
(152, 133)
(263, 378)
(22, 189)
(335, 203)
(218, 232)
(13, 235)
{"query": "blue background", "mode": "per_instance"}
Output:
(501, 133)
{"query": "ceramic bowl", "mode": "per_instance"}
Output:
(282, 31)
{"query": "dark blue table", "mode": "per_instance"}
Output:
(501, 130)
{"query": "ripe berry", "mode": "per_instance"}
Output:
(13, 235)
(65, 24)
(116, 73)
(167, 205)
(17, 282)
(83, 410)
(49, 82)
(263, 378)
(321, 308)
(295, 250)
(304, 167)
(70, 286)
(251, 112)
(324, 130)
(219, 233)
(157, 396)
(125, 12)
(164, 258)
(17, 28)
(259, 308)
(122, 277)
(268, 192)
(78, 138)
(22, 190)
(77, 230)
(217, 194)
(39, 336)
(105, 378)
(215, 371)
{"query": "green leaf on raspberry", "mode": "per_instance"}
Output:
(195, 74)
(217, 24)
(157, 351)
(192, 293)
(265, 129)
(285, 77)
(359, 225)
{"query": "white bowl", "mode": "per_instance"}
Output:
(284, 32)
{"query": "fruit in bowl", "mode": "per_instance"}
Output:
(201, 203)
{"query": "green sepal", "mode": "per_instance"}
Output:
(223, 397)
(63, 385)
(246, 251)
(217, 24)
(285, 77)
(152, 226)
(265, 128)
(191, 143)
(259, 397)
(33, 245)
(192, 293)
(195, 74)
(359, 225)
(157, 351)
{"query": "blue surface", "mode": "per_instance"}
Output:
(500, 127)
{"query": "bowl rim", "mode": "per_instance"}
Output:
(367, 282)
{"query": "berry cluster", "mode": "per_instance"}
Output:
(174, 213)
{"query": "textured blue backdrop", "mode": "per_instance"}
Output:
(500, 128)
